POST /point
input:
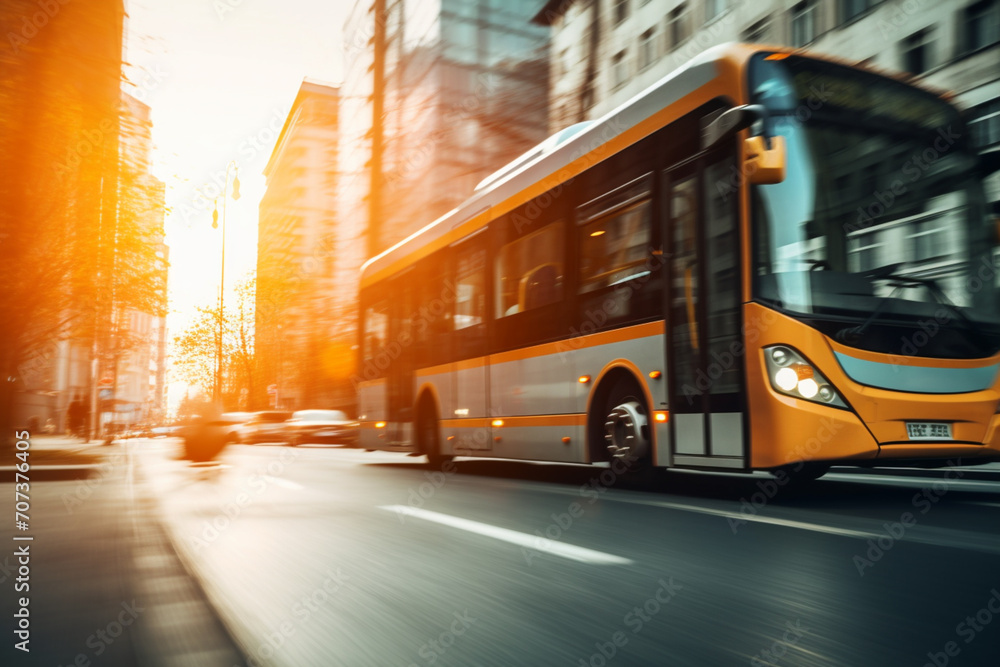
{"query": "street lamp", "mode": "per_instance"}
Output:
(217, 394)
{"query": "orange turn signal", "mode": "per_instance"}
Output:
(379, 424)
(661, 416)
(656, 375)
(497, 423)
(583, 379)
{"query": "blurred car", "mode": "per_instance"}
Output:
(266, 426)
(166, 431)
(321, 426)
(236, 421)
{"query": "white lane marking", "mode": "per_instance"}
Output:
(920, 534)
(282, 482)
(580, 554)
(774, 521)
(983, 503)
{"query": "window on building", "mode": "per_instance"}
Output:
(619, 70)
(714, 8)
(930, 239)
(560, 63)
(677, 26)
(865, 251)
(758, 32)
(804, 23)
(984, 124)
(620, 11)
(916, 51)
(851, 9)
(981, 24)
(647, 48)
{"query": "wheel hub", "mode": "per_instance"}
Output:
(623, 432)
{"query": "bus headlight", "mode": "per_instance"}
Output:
(791, 374)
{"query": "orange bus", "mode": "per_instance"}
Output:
(766, 261)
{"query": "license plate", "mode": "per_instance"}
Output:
(928, 430)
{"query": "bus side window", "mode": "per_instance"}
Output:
(376, 334)
(470, 283)
(619, 271)
(529, 271)
(433, 318)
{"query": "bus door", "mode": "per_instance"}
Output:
(401, 351)
(704, 341)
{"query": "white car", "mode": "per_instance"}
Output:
(266, 426)
(321, 426)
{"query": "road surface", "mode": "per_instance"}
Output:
(332, 556)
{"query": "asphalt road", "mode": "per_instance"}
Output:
(330, 556)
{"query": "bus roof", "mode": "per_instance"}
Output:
(567, 153)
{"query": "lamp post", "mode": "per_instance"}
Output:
(217, 394)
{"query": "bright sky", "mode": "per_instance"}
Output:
(220, 76)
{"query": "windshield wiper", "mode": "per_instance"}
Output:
(851, 335)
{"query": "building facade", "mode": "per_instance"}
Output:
(606, 51)
(307, 263)
(59, 161)
(463, 93)
(139, 358)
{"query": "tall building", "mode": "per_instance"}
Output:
(463, 93)
(307, 262)
(606, 51)
(59, 130)
(140, 358)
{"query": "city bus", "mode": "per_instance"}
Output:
(766, 261)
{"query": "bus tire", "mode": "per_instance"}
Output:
(623, 428)
(804, 473)
(429, 433)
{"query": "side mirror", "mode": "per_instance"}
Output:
(764, 164)
(722, 125)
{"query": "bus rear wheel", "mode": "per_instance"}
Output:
(429, 438)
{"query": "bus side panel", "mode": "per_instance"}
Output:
(467, 410)
(641, 356)
(646, 354)
(538, 385)
(372, 410)
(538, 392)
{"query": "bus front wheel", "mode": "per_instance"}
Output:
(803, 473)
(625, 431)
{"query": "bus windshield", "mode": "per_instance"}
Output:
(879, 235)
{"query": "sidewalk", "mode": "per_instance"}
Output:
(106, 586)
(56, 457)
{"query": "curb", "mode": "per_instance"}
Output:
(57, 473)
(193, 623)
